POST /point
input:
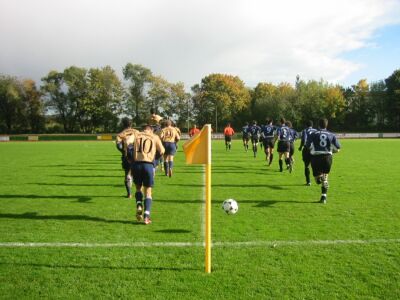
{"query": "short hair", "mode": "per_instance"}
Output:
(254, 122)
(268, 120)
(289, 124)
(152, 111)
(323, 123)
(283, 121)
(126, 122)
(228, 124)
(247, 123)
(168, 123)
(309, 123)
(147, 127)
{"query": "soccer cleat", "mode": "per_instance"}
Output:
(308, 184)
(147, 220)
(323, 199)
(290, 167)
(139, 213)
(129, 196)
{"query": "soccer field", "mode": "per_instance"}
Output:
(68, 232)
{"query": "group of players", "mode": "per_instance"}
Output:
(317, 146)
(142, 151)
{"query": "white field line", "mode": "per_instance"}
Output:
(195, 244)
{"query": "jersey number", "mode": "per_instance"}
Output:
(144, 145)
(323, 140)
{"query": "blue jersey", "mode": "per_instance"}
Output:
(305, 135)
(245, 130)
(322, 142)
(268, 131)
(255, 130)
(283, 133)
(292, 135)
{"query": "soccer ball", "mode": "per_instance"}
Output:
(230, 206)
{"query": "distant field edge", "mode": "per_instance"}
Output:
(195, 244)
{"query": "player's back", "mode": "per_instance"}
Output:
(268, 131)
(254, 130)
(283, 133)
(169, 134)
(322, 142)
(146, 146)
(306, 133)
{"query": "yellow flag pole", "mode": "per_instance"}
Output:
(208, 203)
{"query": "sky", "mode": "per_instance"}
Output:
(340, 41)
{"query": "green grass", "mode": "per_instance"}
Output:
(73, 192)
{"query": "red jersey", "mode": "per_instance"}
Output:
(229, 131)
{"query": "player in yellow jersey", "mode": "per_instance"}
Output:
(169, 137)
(124, 143)
(146, 145)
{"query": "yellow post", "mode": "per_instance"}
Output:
(208, 204)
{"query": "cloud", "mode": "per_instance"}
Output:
(257, 40)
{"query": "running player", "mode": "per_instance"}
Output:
(147, 145)
(254, 131)
(193, 130)
(322, 144)
(169, 137)
(305, 135)
(245, 136)
(268, 137)
(292, 138)
(283, 133)
(228, 133)
(126, 149)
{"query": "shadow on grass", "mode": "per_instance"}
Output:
(268, 203)
(261, 185)
(35, 216)
(55, 266)
(87, 176)
(173, 231)
(75, 184)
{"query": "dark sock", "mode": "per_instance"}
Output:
(128, 188)
(280, 164)
(139, 198)
(324, 190)
(307, 173)
(271, 157)
(287, 161)
(171, 164)
(147, 206)
(166, 167)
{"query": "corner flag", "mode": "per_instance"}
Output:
(198, 151)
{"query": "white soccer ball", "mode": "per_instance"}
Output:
(230, 206)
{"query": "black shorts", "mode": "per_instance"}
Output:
(268, 143)
(283, 146)
(228, 138)
(245, 137)
(321, 164)
(254, 139)
(306, 156)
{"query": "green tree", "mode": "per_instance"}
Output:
(10, 104)
(139, 77)
(379, 103)
(34, 114)
(393, 92)
(226, 95)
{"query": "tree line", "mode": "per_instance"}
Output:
(80, 100)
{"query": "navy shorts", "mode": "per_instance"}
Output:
(170, 148)
(283, 146)
(321, 164)
(245, 137)
(143, 173)
(254, 139)
(268, 143)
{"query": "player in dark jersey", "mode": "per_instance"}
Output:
(245, 136)
(322, 144)
(124, 143)
(292, 138)
(268, 137)
(254, 132)
(305, 135)
(283, 136)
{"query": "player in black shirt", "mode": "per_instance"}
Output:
(268, 137)
(254, 131)
(305, 135)
(322, 144)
